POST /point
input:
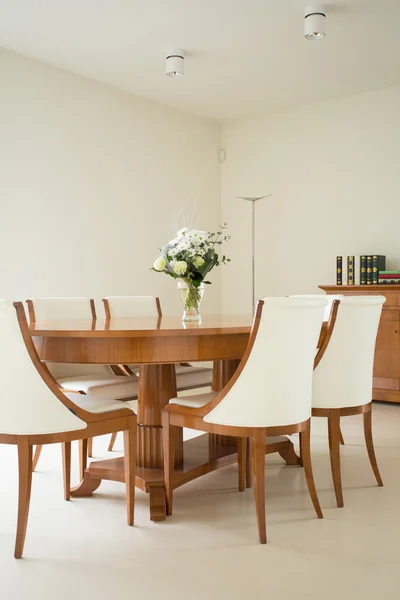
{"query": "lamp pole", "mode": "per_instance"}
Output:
(253, 200)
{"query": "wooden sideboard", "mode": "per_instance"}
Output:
(387, 350)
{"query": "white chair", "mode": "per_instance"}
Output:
(96, 380)
(327, 314)
(130, 307)
(35, 411)
(330, 299)
(269, 394)
(342, 383)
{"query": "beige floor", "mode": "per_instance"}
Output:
(209, 549)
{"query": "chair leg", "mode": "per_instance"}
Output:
(341, 438)
(249, 475)
(259, 482)
(334, 451)
(66, 460)
(370, 446)
(168, 448)
(112, 441)
(241, 448)
(301, 448)
(38, 452)
(306, 459)
(90, 447)
(82, 457)
(24, 494)
(130, 470)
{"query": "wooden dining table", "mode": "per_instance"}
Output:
(156, 344)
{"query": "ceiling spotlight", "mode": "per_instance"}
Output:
(175, 62)
(314, 23)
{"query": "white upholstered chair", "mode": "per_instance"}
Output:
(130, 307)
(96, 380)
(330, 299)
(342, 383)
(35, 411)
(327, 314)
(269, 394)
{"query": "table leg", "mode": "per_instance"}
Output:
(157, 385)
(86, 487)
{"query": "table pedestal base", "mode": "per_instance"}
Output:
(201, 455)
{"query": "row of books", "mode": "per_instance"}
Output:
(368, 269)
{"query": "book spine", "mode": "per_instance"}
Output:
(386, 273)
(357, 272)
(381, 263)
(339, 270)
(374, 270)
(369, 270)
(350, 270)
(363, 270)
(389, 281)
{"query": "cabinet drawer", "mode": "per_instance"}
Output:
(386, 383)
(387, 348)
(392, 299)
(390, 314)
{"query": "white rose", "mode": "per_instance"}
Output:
(180, 268)
(198, 261)
(160, 263)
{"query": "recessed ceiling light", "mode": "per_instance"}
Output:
(314, 23)
(175, 62)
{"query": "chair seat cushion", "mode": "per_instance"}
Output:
(196, 401)
(193, 377)
(114, 387)
(188, 377)
(94, 404)
(202, 364)
(179, 370)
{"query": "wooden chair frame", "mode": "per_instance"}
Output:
(85, 446)
(334, 433)
(96, 424)
(180, 416)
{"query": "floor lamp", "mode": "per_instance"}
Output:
(253, 200)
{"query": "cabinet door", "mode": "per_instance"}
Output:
(387, 350)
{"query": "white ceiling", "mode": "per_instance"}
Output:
(244, 56)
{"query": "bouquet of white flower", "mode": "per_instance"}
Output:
(190, 256)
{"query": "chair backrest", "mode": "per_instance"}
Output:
(274, 384)
(58, 309)
(66, 309)
(344, 375)
(328, 307)
(27, 405)
(130, 307)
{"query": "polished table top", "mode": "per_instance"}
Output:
(144, 327)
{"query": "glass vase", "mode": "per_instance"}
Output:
(191, 297)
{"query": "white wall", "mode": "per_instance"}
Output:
(90, 180)
(334, 171)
